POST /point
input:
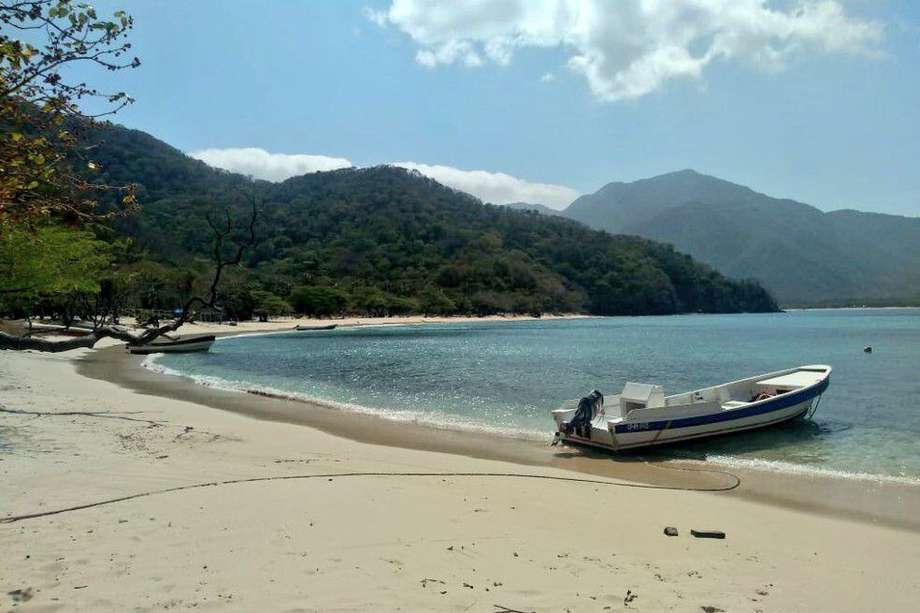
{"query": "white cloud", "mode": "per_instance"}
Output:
(629, 48)
(261, 164)
(378, 17)
(547, 78)
(496, 187)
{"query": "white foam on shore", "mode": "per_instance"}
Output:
(442, 421)
(439, 421)
(807, 470)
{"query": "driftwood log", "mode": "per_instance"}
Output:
(222, 234)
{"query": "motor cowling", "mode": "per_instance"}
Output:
(588, 408)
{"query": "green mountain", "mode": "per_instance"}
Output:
(388, 240)
(803, 255)
(533, 207)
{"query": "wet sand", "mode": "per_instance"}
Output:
(887, 503)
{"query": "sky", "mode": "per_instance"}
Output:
(542, 100)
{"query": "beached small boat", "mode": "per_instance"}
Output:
(315, 328)
(642, 415)
(182, 345)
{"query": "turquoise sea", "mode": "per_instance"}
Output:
(506, 376)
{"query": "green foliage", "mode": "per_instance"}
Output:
(433, 301)
(370, 301)
(39, 107)
(156, 286)
(51, 260)
(384, 241)
(318, 301)
(270, 304)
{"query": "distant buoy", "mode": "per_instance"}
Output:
(867, 349)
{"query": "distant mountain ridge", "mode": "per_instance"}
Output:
(802, 254)
(386, 240)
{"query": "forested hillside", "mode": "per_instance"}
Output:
(385, 240)
(801, 254)
(533, 208)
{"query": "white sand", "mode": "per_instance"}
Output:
(377, 543)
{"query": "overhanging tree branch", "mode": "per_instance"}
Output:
(221, 236)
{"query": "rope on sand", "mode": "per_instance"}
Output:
(99, 414)
(330, 476)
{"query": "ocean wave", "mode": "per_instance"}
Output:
(808, 470)
(439, 421)
(444, 421)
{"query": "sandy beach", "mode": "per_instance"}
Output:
(221, 390)
(182, 497)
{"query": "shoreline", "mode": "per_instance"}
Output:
(854, 308)
(878, 501)
(497, 434)
(160, 503)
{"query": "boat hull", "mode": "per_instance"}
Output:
(181, 346)
(630, 434)
(645, 438)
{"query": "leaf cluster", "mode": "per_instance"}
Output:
(45, 171)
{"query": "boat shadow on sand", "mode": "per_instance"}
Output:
(802, 437)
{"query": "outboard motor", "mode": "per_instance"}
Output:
(588, 409)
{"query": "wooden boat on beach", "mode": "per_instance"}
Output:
(315, 328)
(182, 345)
(641, 415)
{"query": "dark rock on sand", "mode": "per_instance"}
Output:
(21, 595)
(708, 534)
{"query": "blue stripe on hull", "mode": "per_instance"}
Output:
(708, 433)
(678, 439)
(767, 407)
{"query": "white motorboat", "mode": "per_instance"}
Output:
(182, 345)
(642, 415)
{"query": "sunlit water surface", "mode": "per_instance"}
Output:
(507, 376)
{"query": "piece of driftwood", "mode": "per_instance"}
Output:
(708, 534)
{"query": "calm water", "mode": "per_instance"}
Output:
(506, 376)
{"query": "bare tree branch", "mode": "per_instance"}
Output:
(221, 235)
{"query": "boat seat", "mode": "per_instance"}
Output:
(640, 396)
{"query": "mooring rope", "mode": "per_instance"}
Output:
(330, 476)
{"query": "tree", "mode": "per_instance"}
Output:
(268, 304)
(318, 301)
(491, 303)
(44, 171)
(229, 245)
(433, 301)
(50, 259)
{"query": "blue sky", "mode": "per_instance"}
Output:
(834, 122)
